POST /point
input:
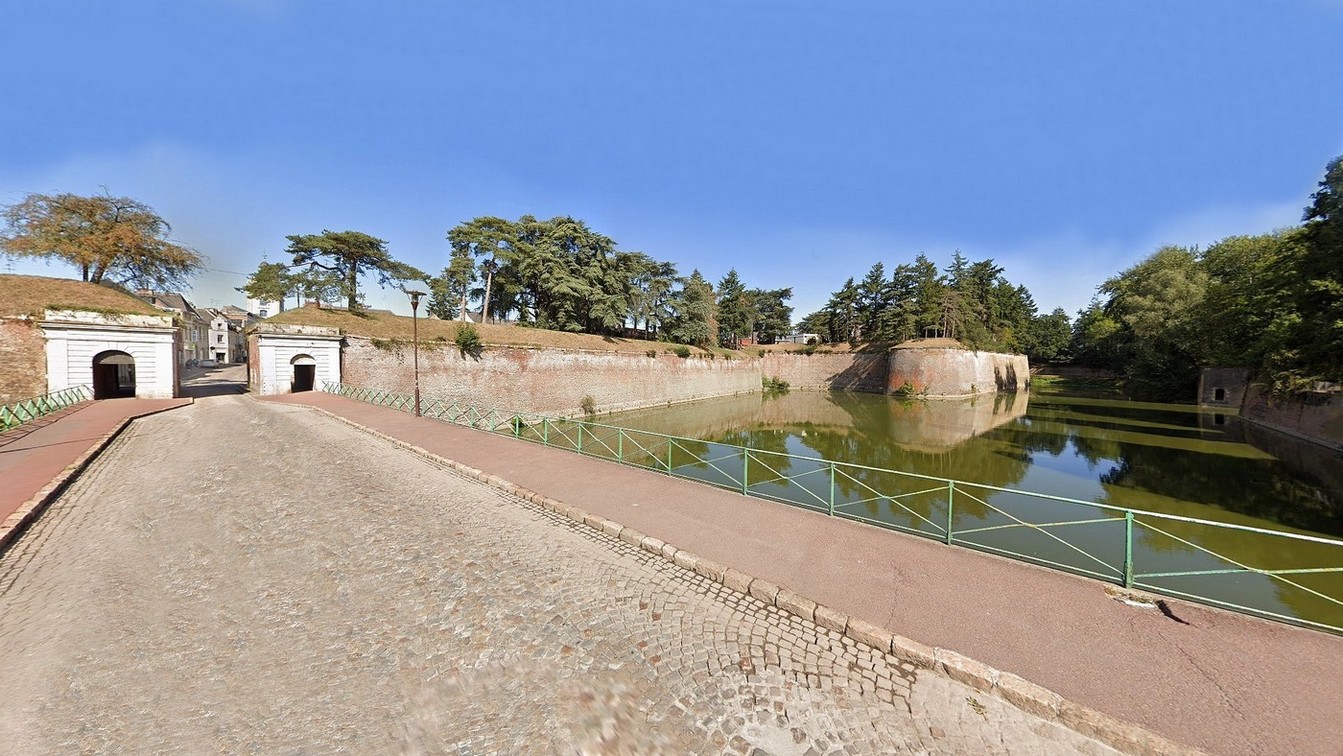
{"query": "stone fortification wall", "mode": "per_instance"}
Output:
(552, 381)
(944, 371)
(556, 381)
(23, 360)
(1317, 417)
(825, 371)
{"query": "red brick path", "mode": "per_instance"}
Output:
(36, 454)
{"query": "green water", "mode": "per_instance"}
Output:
(1171, 459)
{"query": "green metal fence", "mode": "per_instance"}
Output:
(1281, 575)
(25, 410)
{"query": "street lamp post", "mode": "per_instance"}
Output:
(415, 337)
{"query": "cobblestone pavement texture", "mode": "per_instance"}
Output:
(255, 578)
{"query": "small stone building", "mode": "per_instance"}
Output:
(287, 359)
(57, 333)
(115, 355)
(1222, 386)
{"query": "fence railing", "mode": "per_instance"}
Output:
(25, 410)
(1291, 577)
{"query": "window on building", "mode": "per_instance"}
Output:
(264, 313)
(219, 338)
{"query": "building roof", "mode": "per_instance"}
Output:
(33, 295)
(168, 300)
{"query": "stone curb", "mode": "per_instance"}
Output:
(1023, 694)
(30, 510)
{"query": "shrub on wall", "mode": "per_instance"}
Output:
(468, 340)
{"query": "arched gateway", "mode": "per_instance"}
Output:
(113, 375)
(305, 373)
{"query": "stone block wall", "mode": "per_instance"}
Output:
(23, 360)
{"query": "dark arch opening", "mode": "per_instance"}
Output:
(1219, 395)
(305, 373)
(113, 375)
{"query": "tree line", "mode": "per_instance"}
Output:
(971, 302)
(1272, 303)
(561, 274)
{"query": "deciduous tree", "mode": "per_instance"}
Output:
(116, 239)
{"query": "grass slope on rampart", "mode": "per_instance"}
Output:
(31, 295)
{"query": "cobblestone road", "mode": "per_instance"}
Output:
(246, 577)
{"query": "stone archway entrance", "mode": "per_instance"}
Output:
(113, 375)
(305, 373)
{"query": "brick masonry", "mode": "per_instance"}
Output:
(557, 381)
(947, 372)
(1313, 416)
(23, 361)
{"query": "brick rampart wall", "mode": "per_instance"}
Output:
(823, 372)
(956, 372)
(23, 360)
(549, 380)
(1317, 417)
(556, 381)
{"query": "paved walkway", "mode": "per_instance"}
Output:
(37, 453)
(1221, 682)
(244, 576)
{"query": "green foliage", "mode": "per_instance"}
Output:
(114, 239)
(681, 351)
(971, 302)
(736, 311)
(773, 315)
(468, 340)
(652, 353)
(906, 390)
(345, 255)
(774, 385)
(270, 281)
(1048, 337)
(695, 321)
(588, 405)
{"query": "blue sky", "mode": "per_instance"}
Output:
(798, 142)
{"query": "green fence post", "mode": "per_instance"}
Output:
(545, 431)
(620, 444)
(669, 456)
(580, 438)
(1128, 549)
(832, 489)
(517, 426)
(745, 470)
(951, 495)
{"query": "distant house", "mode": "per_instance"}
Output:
(194, 326)
(264, 308)
(226, 341)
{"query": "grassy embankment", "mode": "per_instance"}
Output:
(32, 295)
(385, 328)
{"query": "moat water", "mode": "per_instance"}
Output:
(1173, 459)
